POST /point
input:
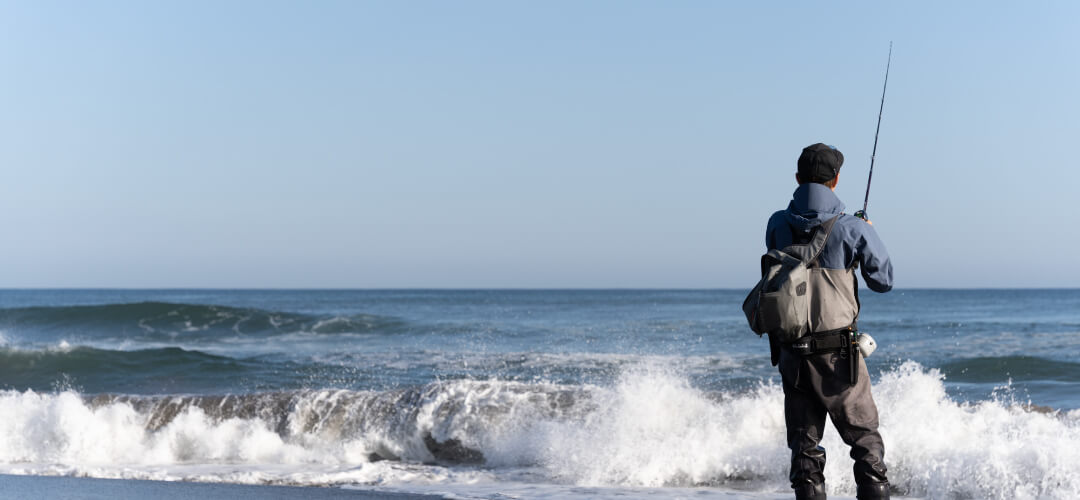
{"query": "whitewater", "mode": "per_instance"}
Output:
(553, 394)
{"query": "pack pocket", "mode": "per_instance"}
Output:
(750, 309)
(783, 314)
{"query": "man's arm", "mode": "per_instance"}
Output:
(775, 221)
(874, 260)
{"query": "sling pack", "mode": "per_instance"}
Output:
(780, 303)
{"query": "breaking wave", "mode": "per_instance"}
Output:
(649, 428)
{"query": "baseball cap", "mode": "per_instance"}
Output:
(820, 163)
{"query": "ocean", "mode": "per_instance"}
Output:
(523, 393)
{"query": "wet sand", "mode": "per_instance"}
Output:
(77, 488)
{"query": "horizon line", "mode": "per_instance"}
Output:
(465, 289)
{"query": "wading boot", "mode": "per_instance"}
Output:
(872, 491)
(810, 491)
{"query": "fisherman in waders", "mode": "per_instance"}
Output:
(817, 371)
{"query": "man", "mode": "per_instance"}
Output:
(817, 380)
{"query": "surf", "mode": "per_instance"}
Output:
(649, 428)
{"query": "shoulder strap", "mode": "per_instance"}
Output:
(820, 237)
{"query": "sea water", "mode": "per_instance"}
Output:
(522, 393)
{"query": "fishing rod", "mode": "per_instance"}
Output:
(862, 213)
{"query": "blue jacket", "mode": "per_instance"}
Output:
(852, 241)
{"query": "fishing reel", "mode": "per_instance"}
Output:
(866, 344)
(861, 214)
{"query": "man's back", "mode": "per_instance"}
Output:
(822, 373)
(852, 242)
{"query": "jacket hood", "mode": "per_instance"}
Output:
(811, 205)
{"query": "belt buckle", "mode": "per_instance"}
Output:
(803, 346)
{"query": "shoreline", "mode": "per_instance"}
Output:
(88, 488)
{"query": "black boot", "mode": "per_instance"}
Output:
(872, 491)
(810, 491)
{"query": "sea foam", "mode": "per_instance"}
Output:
(649, 428)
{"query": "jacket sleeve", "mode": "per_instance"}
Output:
(776, 221)
(874, 260)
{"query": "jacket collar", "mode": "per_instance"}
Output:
(813, 198)
(811, 205)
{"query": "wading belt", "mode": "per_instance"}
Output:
(831, 341)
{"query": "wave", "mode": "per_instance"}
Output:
(164, 370)
(184, 321)
(1019, 326)
(650, 428)
(148, 371)
(1019, 368)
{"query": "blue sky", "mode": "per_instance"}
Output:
(515, 144)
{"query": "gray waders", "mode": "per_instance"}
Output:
(823, 372)
(820, 383)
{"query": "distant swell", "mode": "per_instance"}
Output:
(183, 321)
(650, 428)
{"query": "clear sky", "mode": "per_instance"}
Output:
(525, 144)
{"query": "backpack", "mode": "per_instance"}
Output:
(780, 303)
